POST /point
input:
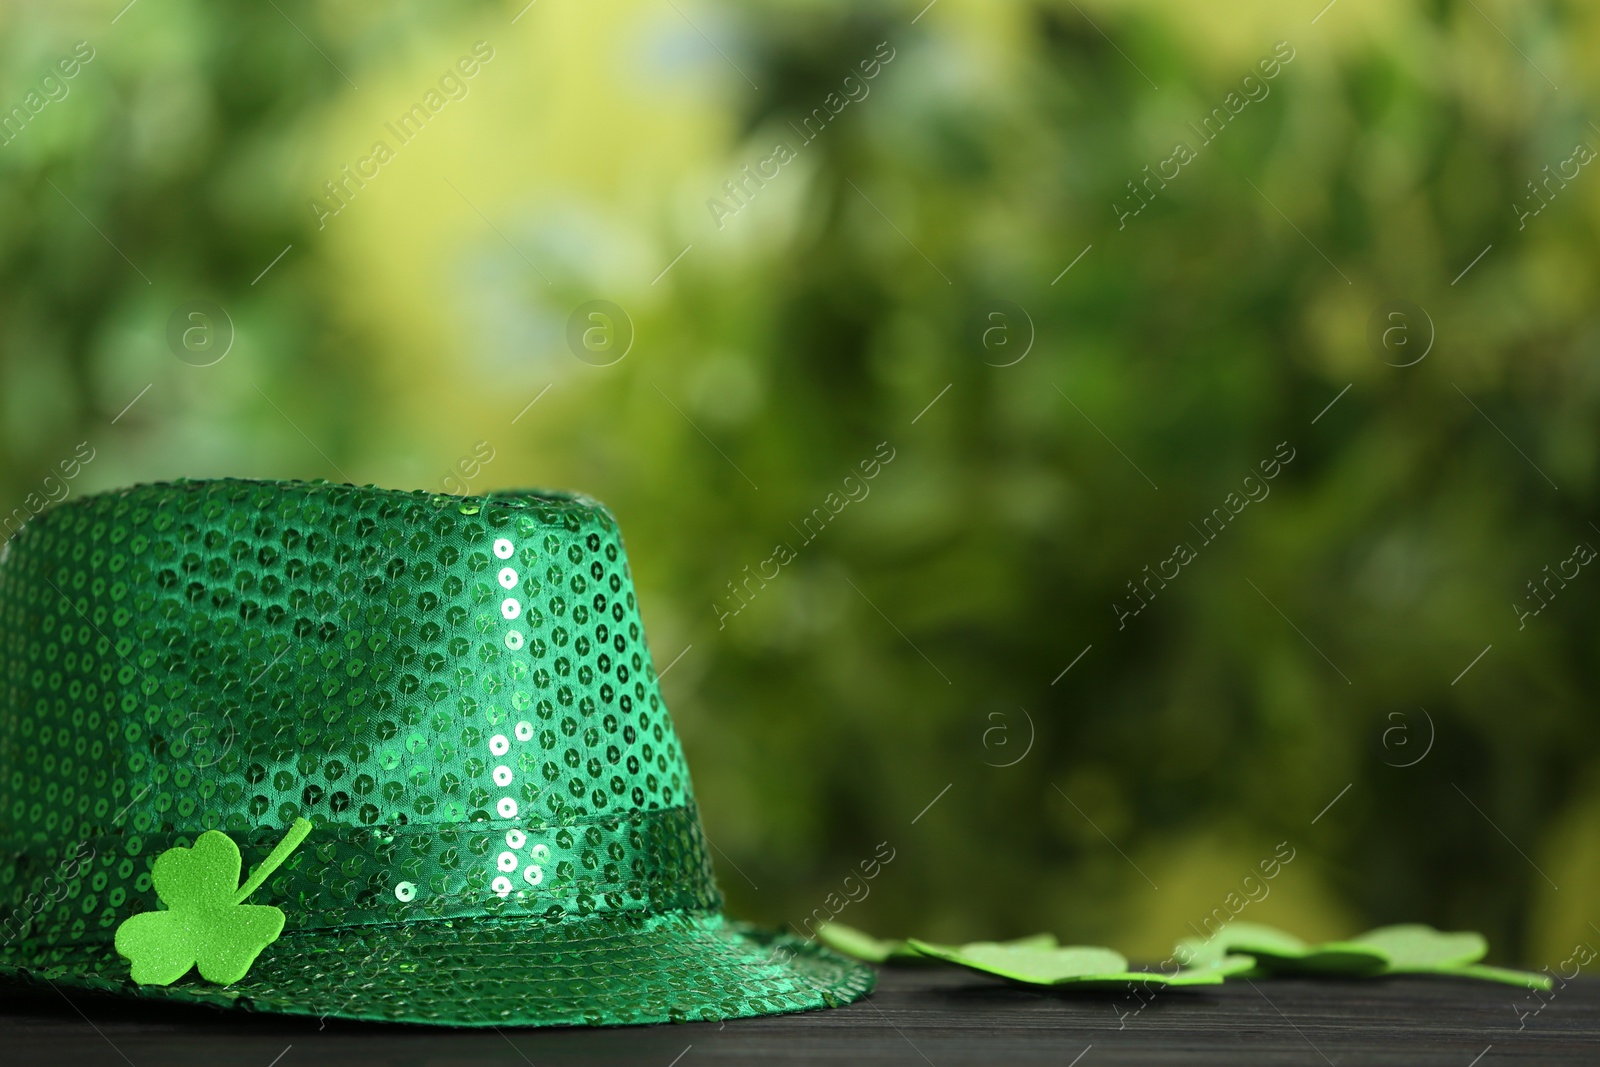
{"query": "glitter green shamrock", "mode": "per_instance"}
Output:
(205, 920)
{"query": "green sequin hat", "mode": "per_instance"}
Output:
(453, 692)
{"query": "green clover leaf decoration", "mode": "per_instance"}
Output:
(1409, 948)
(863, 946)
(1038, 959)
(205, 921)
(1083, 966)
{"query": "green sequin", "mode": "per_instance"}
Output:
(455, 692)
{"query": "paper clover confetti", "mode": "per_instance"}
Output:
(1411, 948)
(205, 920)
(1072, 965)
(1036, 960)
(863, 946)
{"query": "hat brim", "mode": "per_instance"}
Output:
(599, 971)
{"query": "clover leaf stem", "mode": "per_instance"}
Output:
(291, 841)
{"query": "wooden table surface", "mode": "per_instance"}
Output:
(919, 1017)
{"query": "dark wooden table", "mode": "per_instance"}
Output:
(939, 1017)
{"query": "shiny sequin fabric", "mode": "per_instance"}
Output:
(455, 691)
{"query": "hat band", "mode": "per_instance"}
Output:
(652, 861)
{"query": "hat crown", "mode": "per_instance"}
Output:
(456, 691)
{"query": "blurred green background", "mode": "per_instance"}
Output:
(916, 250)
